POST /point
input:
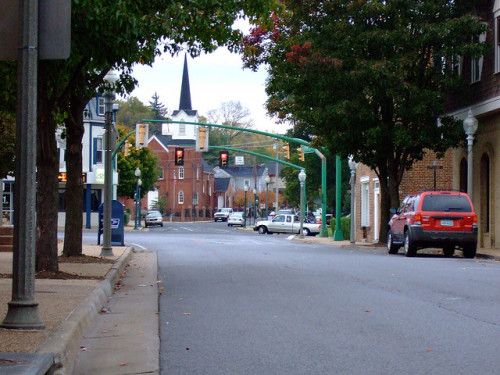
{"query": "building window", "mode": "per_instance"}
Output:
(180, 196)
(203, 188)
(365, 204)
(497, 41)
(101, 109)
(197, 173)
(160, 173)
(181, 173)
(456, 65)
(247, 183)
(182, 129)
(98, 151)
(477, 64)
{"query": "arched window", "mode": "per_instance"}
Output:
(463, 175)
(181, 173)
(180, 199)
(485, 192)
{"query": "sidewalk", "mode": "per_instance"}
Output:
(68, 308)
(482, 253)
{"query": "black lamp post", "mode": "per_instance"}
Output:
(137, 174)
(254, 206)
(109, 94)
(302, 179)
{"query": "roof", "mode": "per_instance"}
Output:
(271, 167)
(167, 140)
(189, 112)
(206, 167)
(222, 184)
(244, 170)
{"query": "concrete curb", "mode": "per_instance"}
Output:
(64, 342)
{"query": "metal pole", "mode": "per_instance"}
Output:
(276, 180)
(267, 200)
(353, 205)
(470, 142)
(106, 249)
(245, 212)
(23, 309)
(135, 203)
(338, 236)
(139, 206)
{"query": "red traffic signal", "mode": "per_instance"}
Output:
(223, 156)
(179, 156)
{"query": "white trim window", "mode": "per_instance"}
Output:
(182, 129)
(180, 197)
(477, 64)
(160, 173)
(181, 173)
(365, 202)
(101, 108)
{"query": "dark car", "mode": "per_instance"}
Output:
(153, 218)
(444, 219)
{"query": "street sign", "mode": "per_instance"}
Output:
(307, 149)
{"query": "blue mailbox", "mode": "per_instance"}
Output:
(117, 223)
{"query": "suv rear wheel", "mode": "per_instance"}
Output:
(449, 251)
(391, 248)
(469, 250)
(410, 248)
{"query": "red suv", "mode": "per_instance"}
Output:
(443, 219)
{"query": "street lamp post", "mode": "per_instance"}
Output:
(470, 127)
(137, 174)
(268, 180)
(109, 95)
(245, 211)
(302, 179)
(139, 184)
(352, 166)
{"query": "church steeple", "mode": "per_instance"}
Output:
(185, 102)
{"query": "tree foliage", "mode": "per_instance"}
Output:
(112, 35)
(369, 78)
(132, 111)
(157, 107)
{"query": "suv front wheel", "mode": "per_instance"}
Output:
(410, 248)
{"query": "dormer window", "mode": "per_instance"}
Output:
(101, 109)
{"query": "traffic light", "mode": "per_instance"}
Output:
(286, 150)
(223, 156)
(301, 157)
(126, 152)
(142, 134)
(179, 156)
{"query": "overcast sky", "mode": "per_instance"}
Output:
(214, 79)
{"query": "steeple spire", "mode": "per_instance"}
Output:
(185, 102)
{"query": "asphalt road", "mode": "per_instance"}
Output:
(236, 302)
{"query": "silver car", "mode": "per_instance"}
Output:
(153, 218)
(236, 218)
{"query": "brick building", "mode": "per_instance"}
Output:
(483, 101)
(419, 178)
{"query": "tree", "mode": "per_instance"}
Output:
(376, 86)
(157, 107)
(143, 159)
(7, 145)
(108, 35)
(132, 111)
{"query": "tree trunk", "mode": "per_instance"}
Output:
(48, 184)
(74, 183)
(389, 195)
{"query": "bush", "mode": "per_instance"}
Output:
(345, 226)
(126, 217)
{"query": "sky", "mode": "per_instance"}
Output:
(214, 79)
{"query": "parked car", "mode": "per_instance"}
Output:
(444, 219)
(222, 214)
(153, 218)
(236, 218)
(286, 224)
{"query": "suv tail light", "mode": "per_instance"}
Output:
(474, 221)
(417, 219)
